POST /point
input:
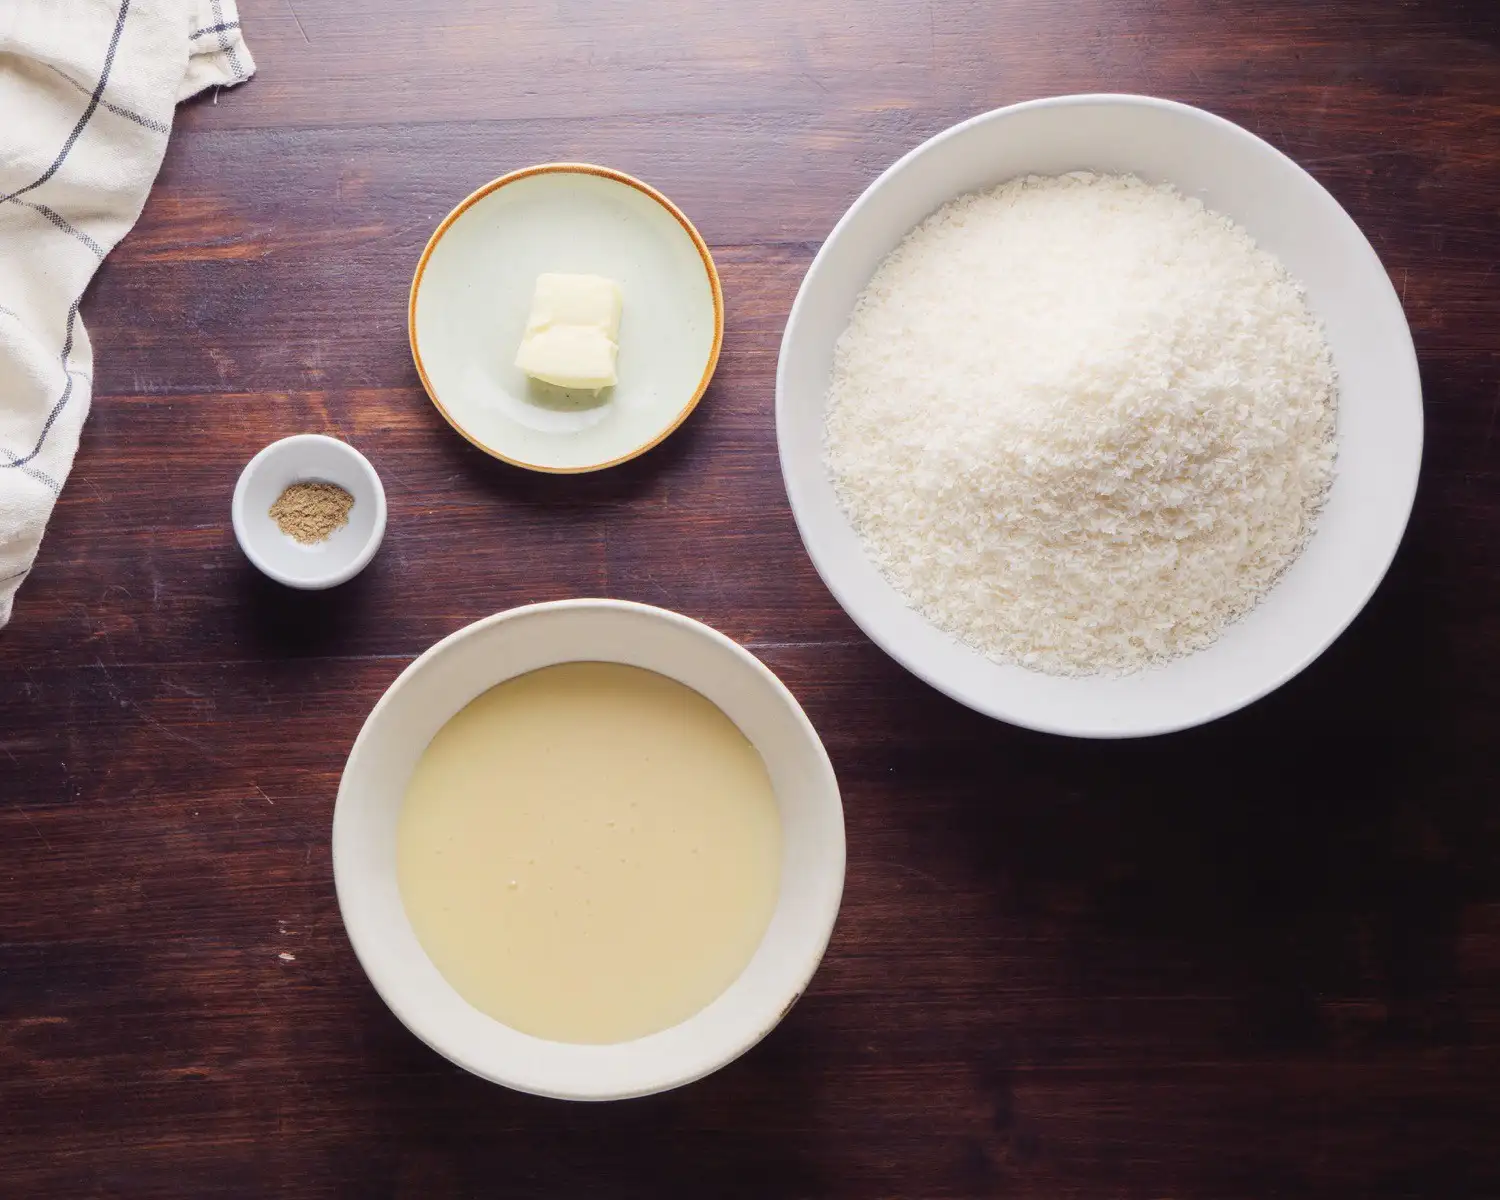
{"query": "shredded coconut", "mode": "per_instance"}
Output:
(1081, 423)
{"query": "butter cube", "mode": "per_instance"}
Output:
(572, 333)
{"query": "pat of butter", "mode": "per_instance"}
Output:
(572, 333)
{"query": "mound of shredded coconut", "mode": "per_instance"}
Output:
(1081, 423)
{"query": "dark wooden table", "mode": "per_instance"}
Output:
(1260, 959)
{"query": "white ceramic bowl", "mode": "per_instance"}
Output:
(1290, 214)
(305, 458)
(497, 648)
(472, 290)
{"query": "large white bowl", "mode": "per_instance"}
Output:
(474, 659)
(1290, 214)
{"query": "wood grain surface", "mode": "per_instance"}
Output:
(1258, 959)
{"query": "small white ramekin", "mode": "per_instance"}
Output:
(308, 458)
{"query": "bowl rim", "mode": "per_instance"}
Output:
(705, 1063)
(962, 692)
(246, 541)
(569, 168)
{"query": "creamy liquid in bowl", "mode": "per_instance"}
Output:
(589, 852)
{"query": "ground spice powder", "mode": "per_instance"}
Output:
(312, 512)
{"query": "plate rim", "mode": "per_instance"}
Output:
(568, 168)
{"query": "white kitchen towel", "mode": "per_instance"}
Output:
(87, 93)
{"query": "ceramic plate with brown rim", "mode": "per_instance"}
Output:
(472, 292)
